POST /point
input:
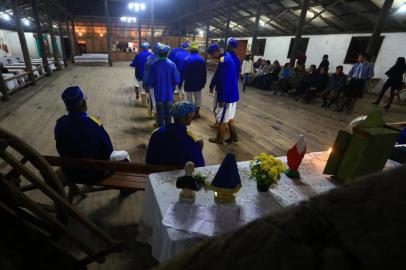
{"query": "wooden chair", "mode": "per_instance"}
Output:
(126, 176)
(33, 169)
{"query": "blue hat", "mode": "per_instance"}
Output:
(162, 48)
(145, 45)
(72, 96)
(227, 176)
(185, 45)
(156, 46)
(233, 43)
(212, 48)
(182, 108)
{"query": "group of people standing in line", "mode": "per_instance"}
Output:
(304, 85)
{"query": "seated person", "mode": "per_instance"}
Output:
(317, 83)
(173, 144)
(78, 135)
(285, 77)
(259, 76)
(298, 77)
(309, 80)
(272, 76)
(335, 87)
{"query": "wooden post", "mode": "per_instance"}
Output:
(298, 36)
(3, 88)
(207, 35)
(40, 37)
(65, 60)
(374, 40)
(227, 32)
(139, 37)
(108, 23)
(23, 42)
(255, 35)
(179, 35)
(74, 40)
(55, 51)
(71, 44)
(152, 23)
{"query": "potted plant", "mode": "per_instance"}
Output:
(266, 170)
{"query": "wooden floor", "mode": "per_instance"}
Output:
(266, 123)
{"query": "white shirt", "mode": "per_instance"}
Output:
(247, 67)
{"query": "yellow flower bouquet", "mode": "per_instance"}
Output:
(266, 170)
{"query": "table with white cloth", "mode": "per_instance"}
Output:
(161, 194)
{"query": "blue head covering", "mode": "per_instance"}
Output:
(227, 176)
(212, 48)
(233, 43)
(162, 48)
(145, 45)
(72, 96)
(185, 45)
(156, 47)
(182, 108)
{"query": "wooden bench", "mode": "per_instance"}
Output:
(126, 176)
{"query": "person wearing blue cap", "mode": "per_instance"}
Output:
(139, 64)
(79, 135)
(180, 58)
(194, 76)
(225, 82)
(151, 104)
(163, 78)
(173, 144)
(232, 45)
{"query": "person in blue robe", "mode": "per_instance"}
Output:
(225, 82)
(173, 144)
(194, 76)
(138, 63)
(79, 135)
(232, 45)
(163, 78)
(151, 104)
(180, 57)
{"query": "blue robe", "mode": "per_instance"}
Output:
(163, 78)
(194, 73)
(174, 145)
(173, 53)
(237, 63)
(78, 135)
(147, 70)
(139, 62)
(180, 58)
(224, 80)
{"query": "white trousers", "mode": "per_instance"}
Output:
(119, 156)
(226, 113)
(138, 84)
(151, 100)
(195, 98)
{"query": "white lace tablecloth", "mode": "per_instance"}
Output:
(161, 193)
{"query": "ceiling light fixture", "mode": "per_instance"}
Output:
(136, 6)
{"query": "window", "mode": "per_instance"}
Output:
(359, 45)
(260, 47)
(302, 46)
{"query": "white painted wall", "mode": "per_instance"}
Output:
(14, 42)
(336, 46)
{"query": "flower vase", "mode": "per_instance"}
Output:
(262, 187)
